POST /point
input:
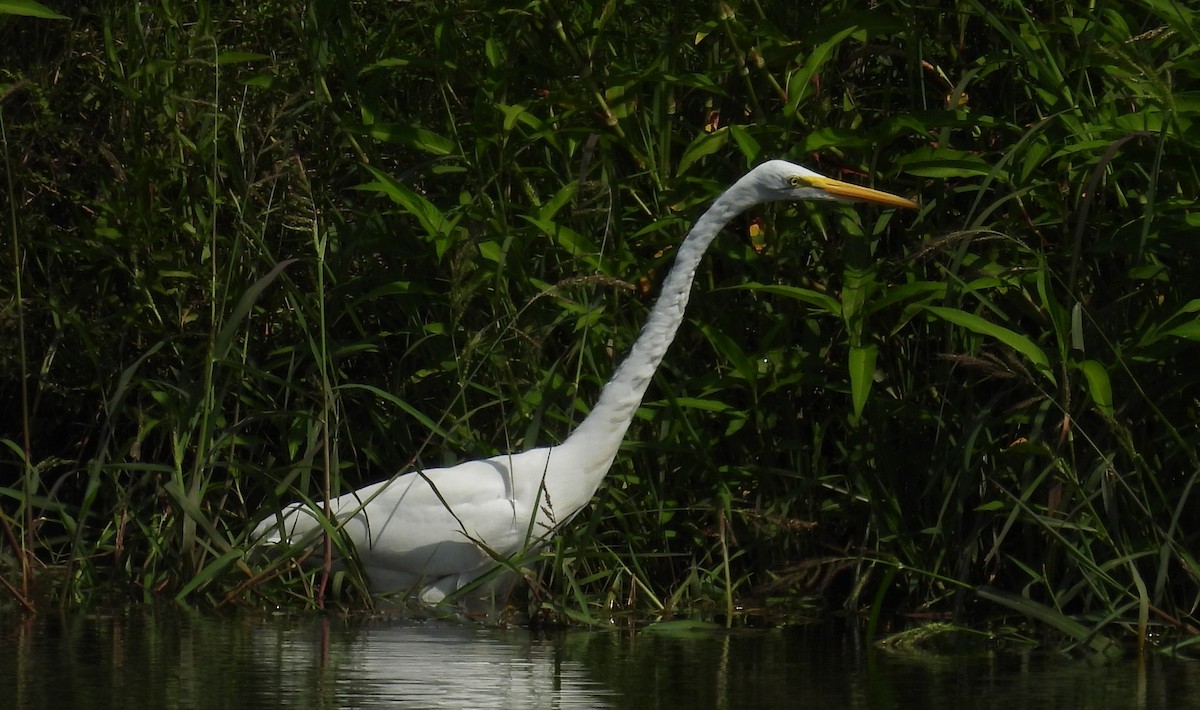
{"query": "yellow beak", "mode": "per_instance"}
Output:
(847, 191)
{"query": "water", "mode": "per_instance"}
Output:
(172, 661)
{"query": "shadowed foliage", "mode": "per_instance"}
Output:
(260, 252)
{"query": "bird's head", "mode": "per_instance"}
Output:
(779, 180)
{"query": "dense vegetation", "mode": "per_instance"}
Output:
(255, 252)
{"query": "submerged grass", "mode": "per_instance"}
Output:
(261, 253)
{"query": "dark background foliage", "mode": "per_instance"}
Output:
(248, 245)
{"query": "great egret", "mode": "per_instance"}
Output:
(431, 532)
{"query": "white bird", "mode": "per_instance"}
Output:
(430, 532)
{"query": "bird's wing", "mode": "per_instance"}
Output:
(432, 522)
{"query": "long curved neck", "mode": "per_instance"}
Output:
(600, 434)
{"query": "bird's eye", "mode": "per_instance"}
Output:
(796, 181)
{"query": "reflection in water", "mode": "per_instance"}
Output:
(422, 666)
(168, 661)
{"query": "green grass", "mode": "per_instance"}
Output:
(261, 253)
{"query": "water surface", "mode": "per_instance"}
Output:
(175, 661)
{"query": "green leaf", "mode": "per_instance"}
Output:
(1098, 385)
(411, 136)
(431, 218)
(491, 251)
(839, 138)
(1191, 306)
(1012, 339)
(210, 572)
(859, 285)
(707, 405)
(706, 144)
(1104, 648)
(745, 142)
(264, 81)
(512, 114)
(561, 199)
(800, 82)
(823, 301)
(573, 242)
(732, 352)
(225, 338)
(188, 503)
(862, 375)
(945, 163)
(29, 8)
(922, 290)
(387, 63)
(1188, 331)
(494, 52)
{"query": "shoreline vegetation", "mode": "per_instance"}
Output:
(262, 252)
